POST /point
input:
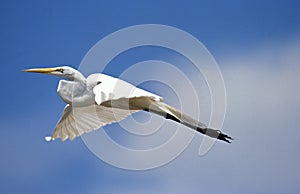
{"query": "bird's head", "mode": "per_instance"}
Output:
(63, 71)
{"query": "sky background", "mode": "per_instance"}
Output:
(256, 45)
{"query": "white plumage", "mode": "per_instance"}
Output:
(100, 99)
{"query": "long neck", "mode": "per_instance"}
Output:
(72, 88)
(76, 84)
(78, 77)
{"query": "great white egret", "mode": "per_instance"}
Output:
(100, 99)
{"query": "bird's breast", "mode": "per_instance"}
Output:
(75, 93)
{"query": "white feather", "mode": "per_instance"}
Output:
(78, 120)
(110, 88)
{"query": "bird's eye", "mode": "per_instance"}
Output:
(61, 70)
(99, 82)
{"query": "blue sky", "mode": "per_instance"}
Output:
(256, 45)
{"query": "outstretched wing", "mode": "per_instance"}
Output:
(111, 88)
(78, 120)
(115, 99)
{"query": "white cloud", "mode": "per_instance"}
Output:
(263, 92)
(262, 115)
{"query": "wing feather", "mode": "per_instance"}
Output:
(78, 120)
(111, 88)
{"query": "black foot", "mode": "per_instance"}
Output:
(224, 137)
(215, 134)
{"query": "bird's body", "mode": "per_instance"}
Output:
(101, 99)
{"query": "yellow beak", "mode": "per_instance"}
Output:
(41, 70)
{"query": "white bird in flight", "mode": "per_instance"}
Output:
(100, 100)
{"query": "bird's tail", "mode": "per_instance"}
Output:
(171, 113)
